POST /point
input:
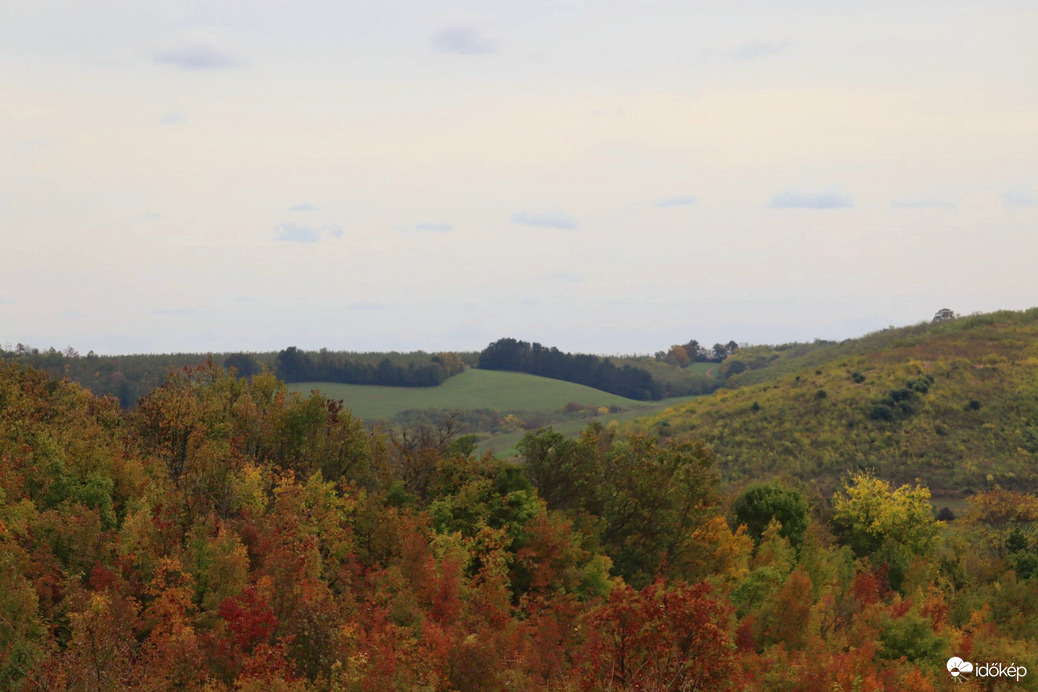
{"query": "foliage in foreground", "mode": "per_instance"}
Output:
(228, 535)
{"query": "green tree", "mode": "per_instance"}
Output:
(656, 501)
(761, 503)
(563, 470)
(294, 365)
(694, 350)
(243, 363)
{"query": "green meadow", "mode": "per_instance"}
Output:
(473, 389)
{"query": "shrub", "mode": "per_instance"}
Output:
(882, 411)
(920, 384)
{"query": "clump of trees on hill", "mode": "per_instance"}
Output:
(293, 365)
(581, 368)
(683, 355)
(227, 535)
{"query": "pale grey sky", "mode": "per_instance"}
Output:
(601, 176)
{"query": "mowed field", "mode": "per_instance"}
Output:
(473, 389)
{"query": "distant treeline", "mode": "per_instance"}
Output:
(293, 365)
(129, 377)
(581, 368)
(125, 377)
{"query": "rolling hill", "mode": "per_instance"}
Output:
(953, 404)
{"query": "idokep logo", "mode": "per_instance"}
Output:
(959, 669)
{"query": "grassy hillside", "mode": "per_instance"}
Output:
(472, 389)
(954, 404)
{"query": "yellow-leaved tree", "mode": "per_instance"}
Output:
(889, 525)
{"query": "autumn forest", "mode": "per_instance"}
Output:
(227, 534)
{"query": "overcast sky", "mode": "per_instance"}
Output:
(602, 176)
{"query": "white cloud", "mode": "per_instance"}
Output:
(545, 220)
(796, 199)
(299, 233)
(466, 39)
(1022, 197)
(682, 201)
(196, 50)
(293, 233)
(174, 117)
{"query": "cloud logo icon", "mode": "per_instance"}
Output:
(957, 667)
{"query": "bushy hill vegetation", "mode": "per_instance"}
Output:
(954, 403)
